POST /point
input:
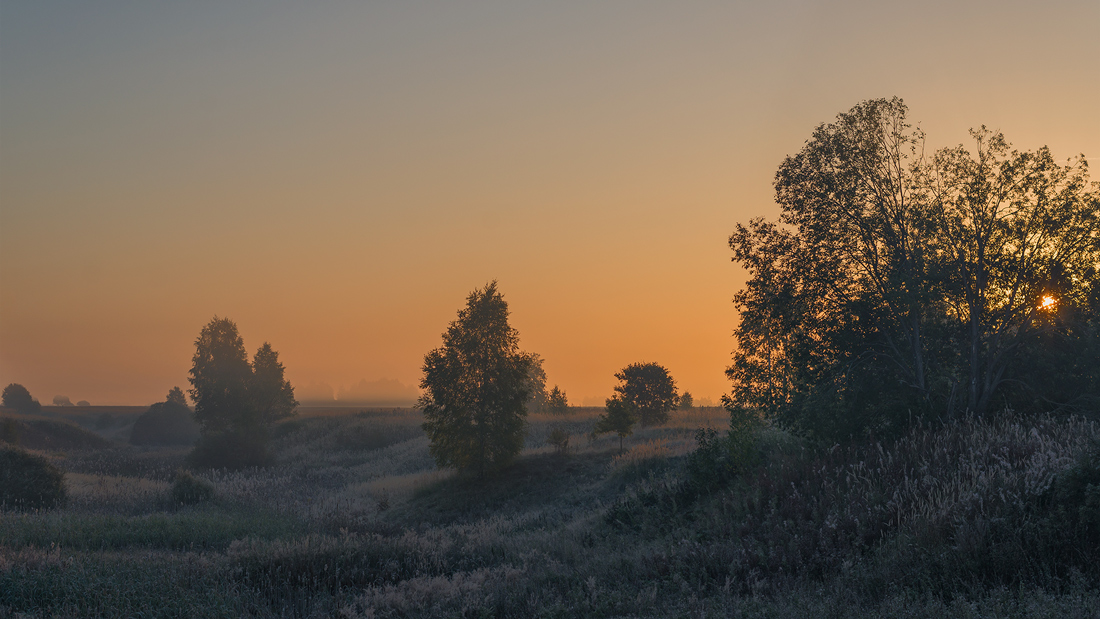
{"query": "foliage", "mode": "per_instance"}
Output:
(686, 401)
(476, 387)
(17, 397)
(189, 490)
(236, 402)
(618, 417)
(717, 459)
(648, 392)
(29, 481)
(556, 402)
(536, 384)
(270, 393)
(166, 423)
(559, 440)
(895, 283)
(62, 400)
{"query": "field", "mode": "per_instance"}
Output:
(356, 521)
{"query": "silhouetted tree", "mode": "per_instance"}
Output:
(476, 387)
(894, 283)
(235, 404)
(17, 397)
(62, 400)
(618, 417)
(269, 391)
(686, 401)
(556, 402)
(648, 392)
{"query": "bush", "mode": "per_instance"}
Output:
(165, 423)
(29, 481)
(188, 489)
(559, 439)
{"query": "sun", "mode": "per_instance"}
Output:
(1048, 302)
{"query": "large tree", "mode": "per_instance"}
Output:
(16, 396)
(476, 387)
(236, 402)
(895, 283)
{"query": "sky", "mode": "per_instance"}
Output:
(336, 177)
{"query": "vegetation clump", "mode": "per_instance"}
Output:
(647, 391)
(16, 396)
(898, 283)
(29, 481)
(236, 402)
(189, 490)
(476, 387)
(165, 423)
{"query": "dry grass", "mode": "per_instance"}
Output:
(370, 528)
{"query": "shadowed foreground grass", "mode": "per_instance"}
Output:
(954, 520)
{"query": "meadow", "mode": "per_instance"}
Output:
(971, 517)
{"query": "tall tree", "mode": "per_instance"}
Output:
(236, 402)
(883, 261)
(220, 374)
(476, 387)
(1016, 228)
(271, 394)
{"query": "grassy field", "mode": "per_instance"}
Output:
(356, 521)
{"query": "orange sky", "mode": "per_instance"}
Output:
(336, 178)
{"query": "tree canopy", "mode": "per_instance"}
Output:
(897, 283)
(236, 402)
(476, 387)
(647, 391)
(17, 397)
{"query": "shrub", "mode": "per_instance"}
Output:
(188, 489)
(559, 439)
(29, 481)
(165, 423)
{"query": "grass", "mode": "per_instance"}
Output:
(952, 520)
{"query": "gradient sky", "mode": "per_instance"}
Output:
(336, 177)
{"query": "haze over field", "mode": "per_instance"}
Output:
(336, 178)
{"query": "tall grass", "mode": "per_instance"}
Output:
(923, 526)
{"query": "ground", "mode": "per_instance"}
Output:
(355, 520)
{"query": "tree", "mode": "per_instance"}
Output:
(270, 393)
(885, 262)
(618, 417)
(476, 387)
(235, 402)
(648, 392)
(686, 401)
(62, 400)
(17, 397)
(556, 402)
(175, 396)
